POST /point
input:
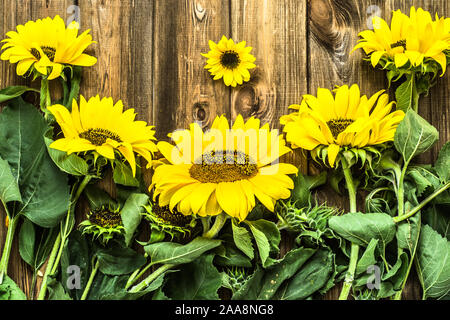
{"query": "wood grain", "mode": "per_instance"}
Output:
(13, 13)
(149, 57)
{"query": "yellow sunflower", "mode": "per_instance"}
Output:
(47, 45)
(230, 61)
(223, 169)
(346, 120)
(103, 127)
(409, 39)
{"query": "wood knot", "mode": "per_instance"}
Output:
(199, 11)
(199, 112)
(255, 98)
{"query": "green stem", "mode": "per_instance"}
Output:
(58, 247)
(146, 282)
(136, 275)
(8, 245)
(45, 100)
(50, 262)
(216, 227)
(415, 94)
(91, 279)
(422, 204)
(67, 227)
(349, 277)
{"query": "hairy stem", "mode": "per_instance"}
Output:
(8, 245)
(89, 283)
(349, 277)
(216, 227)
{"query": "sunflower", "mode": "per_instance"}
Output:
(47, 45)
(416, 39)
(103, 127)
(103, 223)
(230, 61)
(347, 120)
(165, 222)
(223, 169)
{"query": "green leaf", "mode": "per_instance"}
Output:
(303, 186)
(131, 216)
(408, 232)
(368, 257)
(360, 228)
(12, 92)
(283, 270)
(267, 238)
(27, 241)
(116, 260)
(310, 278)
(437, 217)
(424, 179)
(414, 136)
(405, 94)
(123, 175)
(56, 291)
(44, 188)
(9, 290)
(68, 163)
(442, 164)
(198, 280)
(243, 240)
(9, 190)
(112, 288)
(175, 253)
(433, 256)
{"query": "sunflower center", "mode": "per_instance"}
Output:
(48, 51)
(230, 59)
(223, 166)
(400, 43)
(174, 218)
(105, 218)
(98, 136)
(338, 125)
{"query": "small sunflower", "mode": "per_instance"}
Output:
(229, 60)
(103, 223)
(172, 223)
(223, 169)
(409, 42)
(48, 46)
(103, 127)
(345, 121)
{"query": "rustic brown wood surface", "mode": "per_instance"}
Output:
(149, 57)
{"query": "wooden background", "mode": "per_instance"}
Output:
(149, 56)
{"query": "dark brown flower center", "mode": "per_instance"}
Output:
(48, 51)
(230, 59)
(400, 43)
(174, 218)
(105, 218)
(223, 166)
(338, 125)
(99, 136)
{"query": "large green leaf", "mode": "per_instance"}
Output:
(267, 238)
(130, 214)
(361, 228)
(433, 256)
(9, 290)
(9, 189)
(368, 257)
(243, 240)
(12, 92)
(442, 165)
(414, 136)
(123, 175)
(175, 253)
(118, 260)
(404, 94)
(198, 280)
(313, 275)
(44, 188)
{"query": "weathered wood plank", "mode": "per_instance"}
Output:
(184, 90)
(13, 13)
(333, 30)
